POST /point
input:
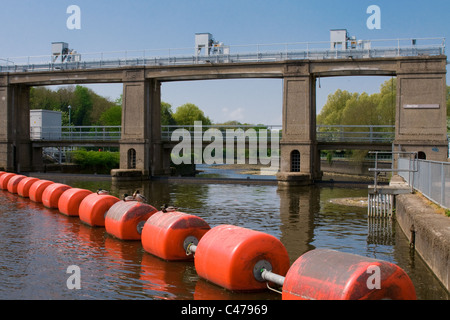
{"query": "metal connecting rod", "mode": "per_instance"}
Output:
(272, 277)
(190, 248)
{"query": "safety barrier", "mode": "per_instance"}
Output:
(380, 205)
(261, 52)
(235, 258)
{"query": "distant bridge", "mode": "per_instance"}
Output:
(329, 137)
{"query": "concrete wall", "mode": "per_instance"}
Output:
(428, 231)
(352, 167)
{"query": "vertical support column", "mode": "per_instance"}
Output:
(135, 140)
(15, 144)
(157, 166)
(421, 108)
(299, 131)
(140, 145)
(5, 98)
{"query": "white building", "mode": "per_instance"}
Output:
(45, 124)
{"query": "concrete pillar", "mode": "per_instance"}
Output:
(38, 160)
(140, 145)
(156, 146)
(15, 144)
(421, 112)
(299, 131)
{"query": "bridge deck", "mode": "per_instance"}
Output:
(390, 48)
(328, 137)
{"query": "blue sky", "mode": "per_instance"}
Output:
(27, 28)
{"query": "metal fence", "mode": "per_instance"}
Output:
(325, 133)
(356, 133)
(72, 133)
(383, 48)
(431, 178)
(197, 132)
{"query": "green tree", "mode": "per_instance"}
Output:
(167, 117)
(43, 98)
(332, 111)
(111, 117)
(81, 107)
(87, 106)
(387, 102)
(345, 108)
(188, 113)
(360, 110)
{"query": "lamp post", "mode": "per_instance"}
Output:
(70, 108)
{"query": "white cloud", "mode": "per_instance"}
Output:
(235, 114)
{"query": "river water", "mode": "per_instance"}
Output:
(39, 244)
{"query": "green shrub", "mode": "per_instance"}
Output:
(96, 161)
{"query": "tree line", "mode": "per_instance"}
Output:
(341, 108)
(347, 108)
(88, 108)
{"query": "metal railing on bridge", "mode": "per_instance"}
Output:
(76, 133)
(356, 133)
(325, 133)
(384, 48)
(197, 132)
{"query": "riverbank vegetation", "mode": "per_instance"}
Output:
(99, 162)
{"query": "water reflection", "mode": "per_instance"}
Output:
(38, 244)
(298, 207)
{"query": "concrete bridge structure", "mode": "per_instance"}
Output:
(420, 106)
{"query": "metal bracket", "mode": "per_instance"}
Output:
(259, 266)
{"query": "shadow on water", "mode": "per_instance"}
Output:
(39, 243)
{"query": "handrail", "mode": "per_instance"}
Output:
(413, 157)
(324, 133)
(238, 53)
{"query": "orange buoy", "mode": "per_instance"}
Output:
(125, 219)
(168, 234)
(324, 274)
(23, 188)
(232, 257)
(14, 182)
(37, 189)
(70, 200)
(94, 207)
(52, 193)
(4, 179)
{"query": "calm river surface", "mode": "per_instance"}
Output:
(39, 244)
